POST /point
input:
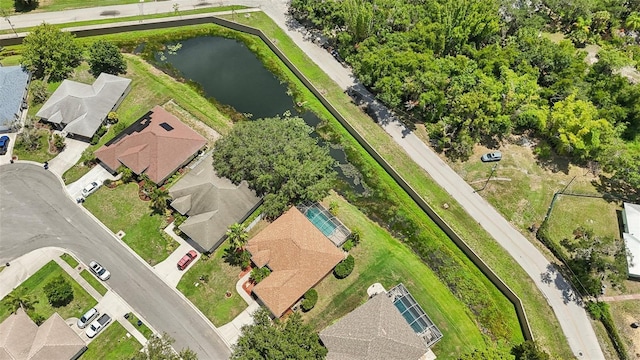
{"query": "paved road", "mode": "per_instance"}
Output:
(36, 212)
(572, 317)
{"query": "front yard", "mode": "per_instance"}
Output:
(112, 343)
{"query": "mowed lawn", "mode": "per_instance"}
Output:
(57, 5)
(209, 296)
(120, 208)
(571, 212)
(35, 284)
(381, 258)
(112, 343)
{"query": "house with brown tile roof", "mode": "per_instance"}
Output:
(157, 145)
(22, 339)
(298, 255)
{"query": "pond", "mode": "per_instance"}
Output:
(229, 72)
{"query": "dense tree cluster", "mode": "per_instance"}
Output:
(477, 71)
(50, 53)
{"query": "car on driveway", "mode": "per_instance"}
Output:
(102, 273)
(87, 318)
(4, 144)
(90, 189)
(98, 325)
(492, 156)
(187, 259)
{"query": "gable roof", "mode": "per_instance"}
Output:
(158, 145)
(211, 202)
(299, 256)
(631, 236)
(21, 338)
(374, 331)
(13, 87)
(82, 108)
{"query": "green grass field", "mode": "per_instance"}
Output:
(571, 212)
(121, 209)
(209, 296)
(69, 260)
(143, 328)
(94, 282)
(112, 343)
(57, 5)
(34, 285)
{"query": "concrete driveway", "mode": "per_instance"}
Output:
(98, 174)
(168, 269)
(68, 157)
(6, 158)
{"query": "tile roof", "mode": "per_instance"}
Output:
(374, 331)
(151, 148)
(82, 108)
(13, 87)
(299, 256)
(22, 339)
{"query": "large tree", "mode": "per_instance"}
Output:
(278, 159)
(278, 340)
(159, 348)
(50, 53)
(106, 57)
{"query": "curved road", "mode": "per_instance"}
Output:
(35, 212)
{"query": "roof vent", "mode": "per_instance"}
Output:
(166, 126)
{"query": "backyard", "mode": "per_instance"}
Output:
(112, 343)
(34, 286)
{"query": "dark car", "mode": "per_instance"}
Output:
(187, 259)
(492, 156)
(4, 144)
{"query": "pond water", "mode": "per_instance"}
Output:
(229, 72)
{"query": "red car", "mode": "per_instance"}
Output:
(187, 259)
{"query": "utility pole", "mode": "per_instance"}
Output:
(493, 169)
(5, 15)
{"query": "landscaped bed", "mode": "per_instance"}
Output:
(112, 343)
(34, 286)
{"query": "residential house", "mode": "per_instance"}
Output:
(80, 109)
(158, 144)
(14, 84)
(298, 255)
(631, 236)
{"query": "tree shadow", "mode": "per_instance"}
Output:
(553, 275)
(22, 6)
(553, 162)
(615, 190)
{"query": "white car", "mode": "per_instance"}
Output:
(90, 189)
(102, 273)
(88, 317)
(98, 325)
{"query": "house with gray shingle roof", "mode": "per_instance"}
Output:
(14, 83)
(80, 109)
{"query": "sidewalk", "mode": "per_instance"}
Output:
(621, 297)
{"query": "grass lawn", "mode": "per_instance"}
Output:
(209, 296)
(571, 212)
(120, 208)
(57, 5)
(69, 260)
(381, 258)
(143, 328)
(75, 173)
(624, 314)
(112, 343)
(41, 154)
(34, 285)
(543, 322)
(95, 283)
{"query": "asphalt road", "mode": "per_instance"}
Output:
(36, 212)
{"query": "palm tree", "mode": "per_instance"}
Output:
(633, 21)
(237, 236)
(20, 299)
(159, 197)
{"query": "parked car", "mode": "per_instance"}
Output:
(187, 259)
(98, 325)
(102, 273)
(90, 189)
(88, 317)
(492, 156)
(4, 144)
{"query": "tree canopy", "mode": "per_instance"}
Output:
(50, 53)
(277, 340)
(159, 348)
(106, 57)
(279, 159)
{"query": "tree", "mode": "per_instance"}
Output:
(277, 340)
(25, 5)
(159, 197)
(633, 21)
(39, 92)
(278, 159)
(159, 348)
(20, 299)
(105, 57)
(237, 236)
(59, 291)
(529, 350)
(50, 53)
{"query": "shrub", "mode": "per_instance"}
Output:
(310, 300)
(344, 268)
(58, 141)
(59, 292)
(39, 92)
(88, 157)
(119, 127)
(37, 318)
(112, 118)
(259, 274)
(348, 245)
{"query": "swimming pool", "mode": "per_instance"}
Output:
(321, 221)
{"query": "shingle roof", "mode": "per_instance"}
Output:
(212, 203)
(299, 256)
(374, 331)
(153, 149)
(82, 108)
(13, 86)
(22, 339)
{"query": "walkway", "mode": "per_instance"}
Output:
(620, 297)
(231, 331)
